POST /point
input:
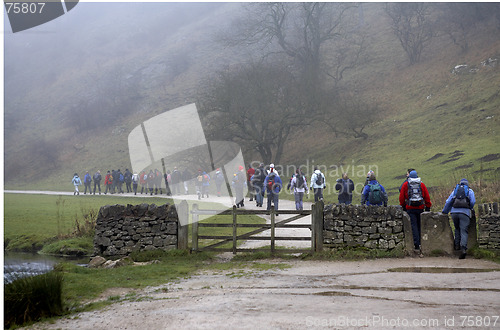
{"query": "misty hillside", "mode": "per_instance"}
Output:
(77, 86)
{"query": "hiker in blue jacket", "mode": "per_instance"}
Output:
(374, 193)
(87, 179)
(273, 185)
(460, 203)
(76, 182)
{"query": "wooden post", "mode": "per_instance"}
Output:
(313, 229)
(317, 223)
(194, 227)
(182, 230)
(273, 222)
(235, 230)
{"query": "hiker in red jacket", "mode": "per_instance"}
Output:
(108, 182)
(250, 173)
(414, 198)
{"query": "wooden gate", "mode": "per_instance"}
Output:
(316, 229)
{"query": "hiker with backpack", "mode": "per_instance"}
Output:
(127, 176)
(273, 185)
(250, 173)
(199, 184)
(374, 193)
(135, 182)
(299, 187)
(121, 180)
(239, 181)
(176, 180)
(219, 180)
(318, 183)
(114, 181)
(158, 177)
(76, 182)
(87, 179)
(108, 182)
(167, 183)
(185, 177)
(151, 182)
(205, 184)
(460, 204)
(97, 181)
(258, 183)
(345, 187)
(414, 198)
(143, 178)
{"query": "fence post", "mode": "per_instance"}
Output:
(317, 223)
(182, 230)
(235, 229)
(272, 228)
(313, 228)
(194, 227)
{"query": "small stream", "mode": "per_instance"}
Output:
(17, 264)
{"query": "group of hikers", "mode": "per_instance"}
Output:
(413, 194)
(150, 182)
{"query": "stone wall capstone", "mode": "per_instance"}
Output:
(121, 229)
(374, 227)
(488, 226)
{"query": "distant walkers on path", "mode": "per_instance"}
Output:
(273, 185)
(298, 186)
(239, 182)
(345, 187)
(87, 180)
(97, 181)
(76, 182)
(318, 183)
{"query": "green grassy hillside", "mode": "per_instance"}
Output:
(443, 124)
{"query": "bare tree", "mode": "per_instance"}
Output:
(349, 115)
(461, 21)
(306, 33)
(411, 23)
(257, 106)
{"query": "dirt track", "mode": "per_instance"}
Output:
(311, 294)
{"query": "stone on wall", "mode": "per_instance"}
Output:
(121, 229)
(489, 226)
(436, 234)
(373, 227)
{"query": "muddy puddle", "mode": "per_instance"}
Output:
(440, 270)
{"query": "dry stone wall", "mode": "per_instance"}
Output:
(488, 226)
(374, 227)
(121, 229)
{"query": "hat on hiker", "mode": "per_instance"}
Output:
(413, 174)
(464, 182)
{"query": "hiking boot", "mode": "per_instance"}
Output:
(456, 247)
(463, 254)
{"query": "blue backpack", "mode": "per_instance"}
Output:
(461, 199)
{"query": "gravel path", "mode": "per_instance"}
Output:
(378, 294)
